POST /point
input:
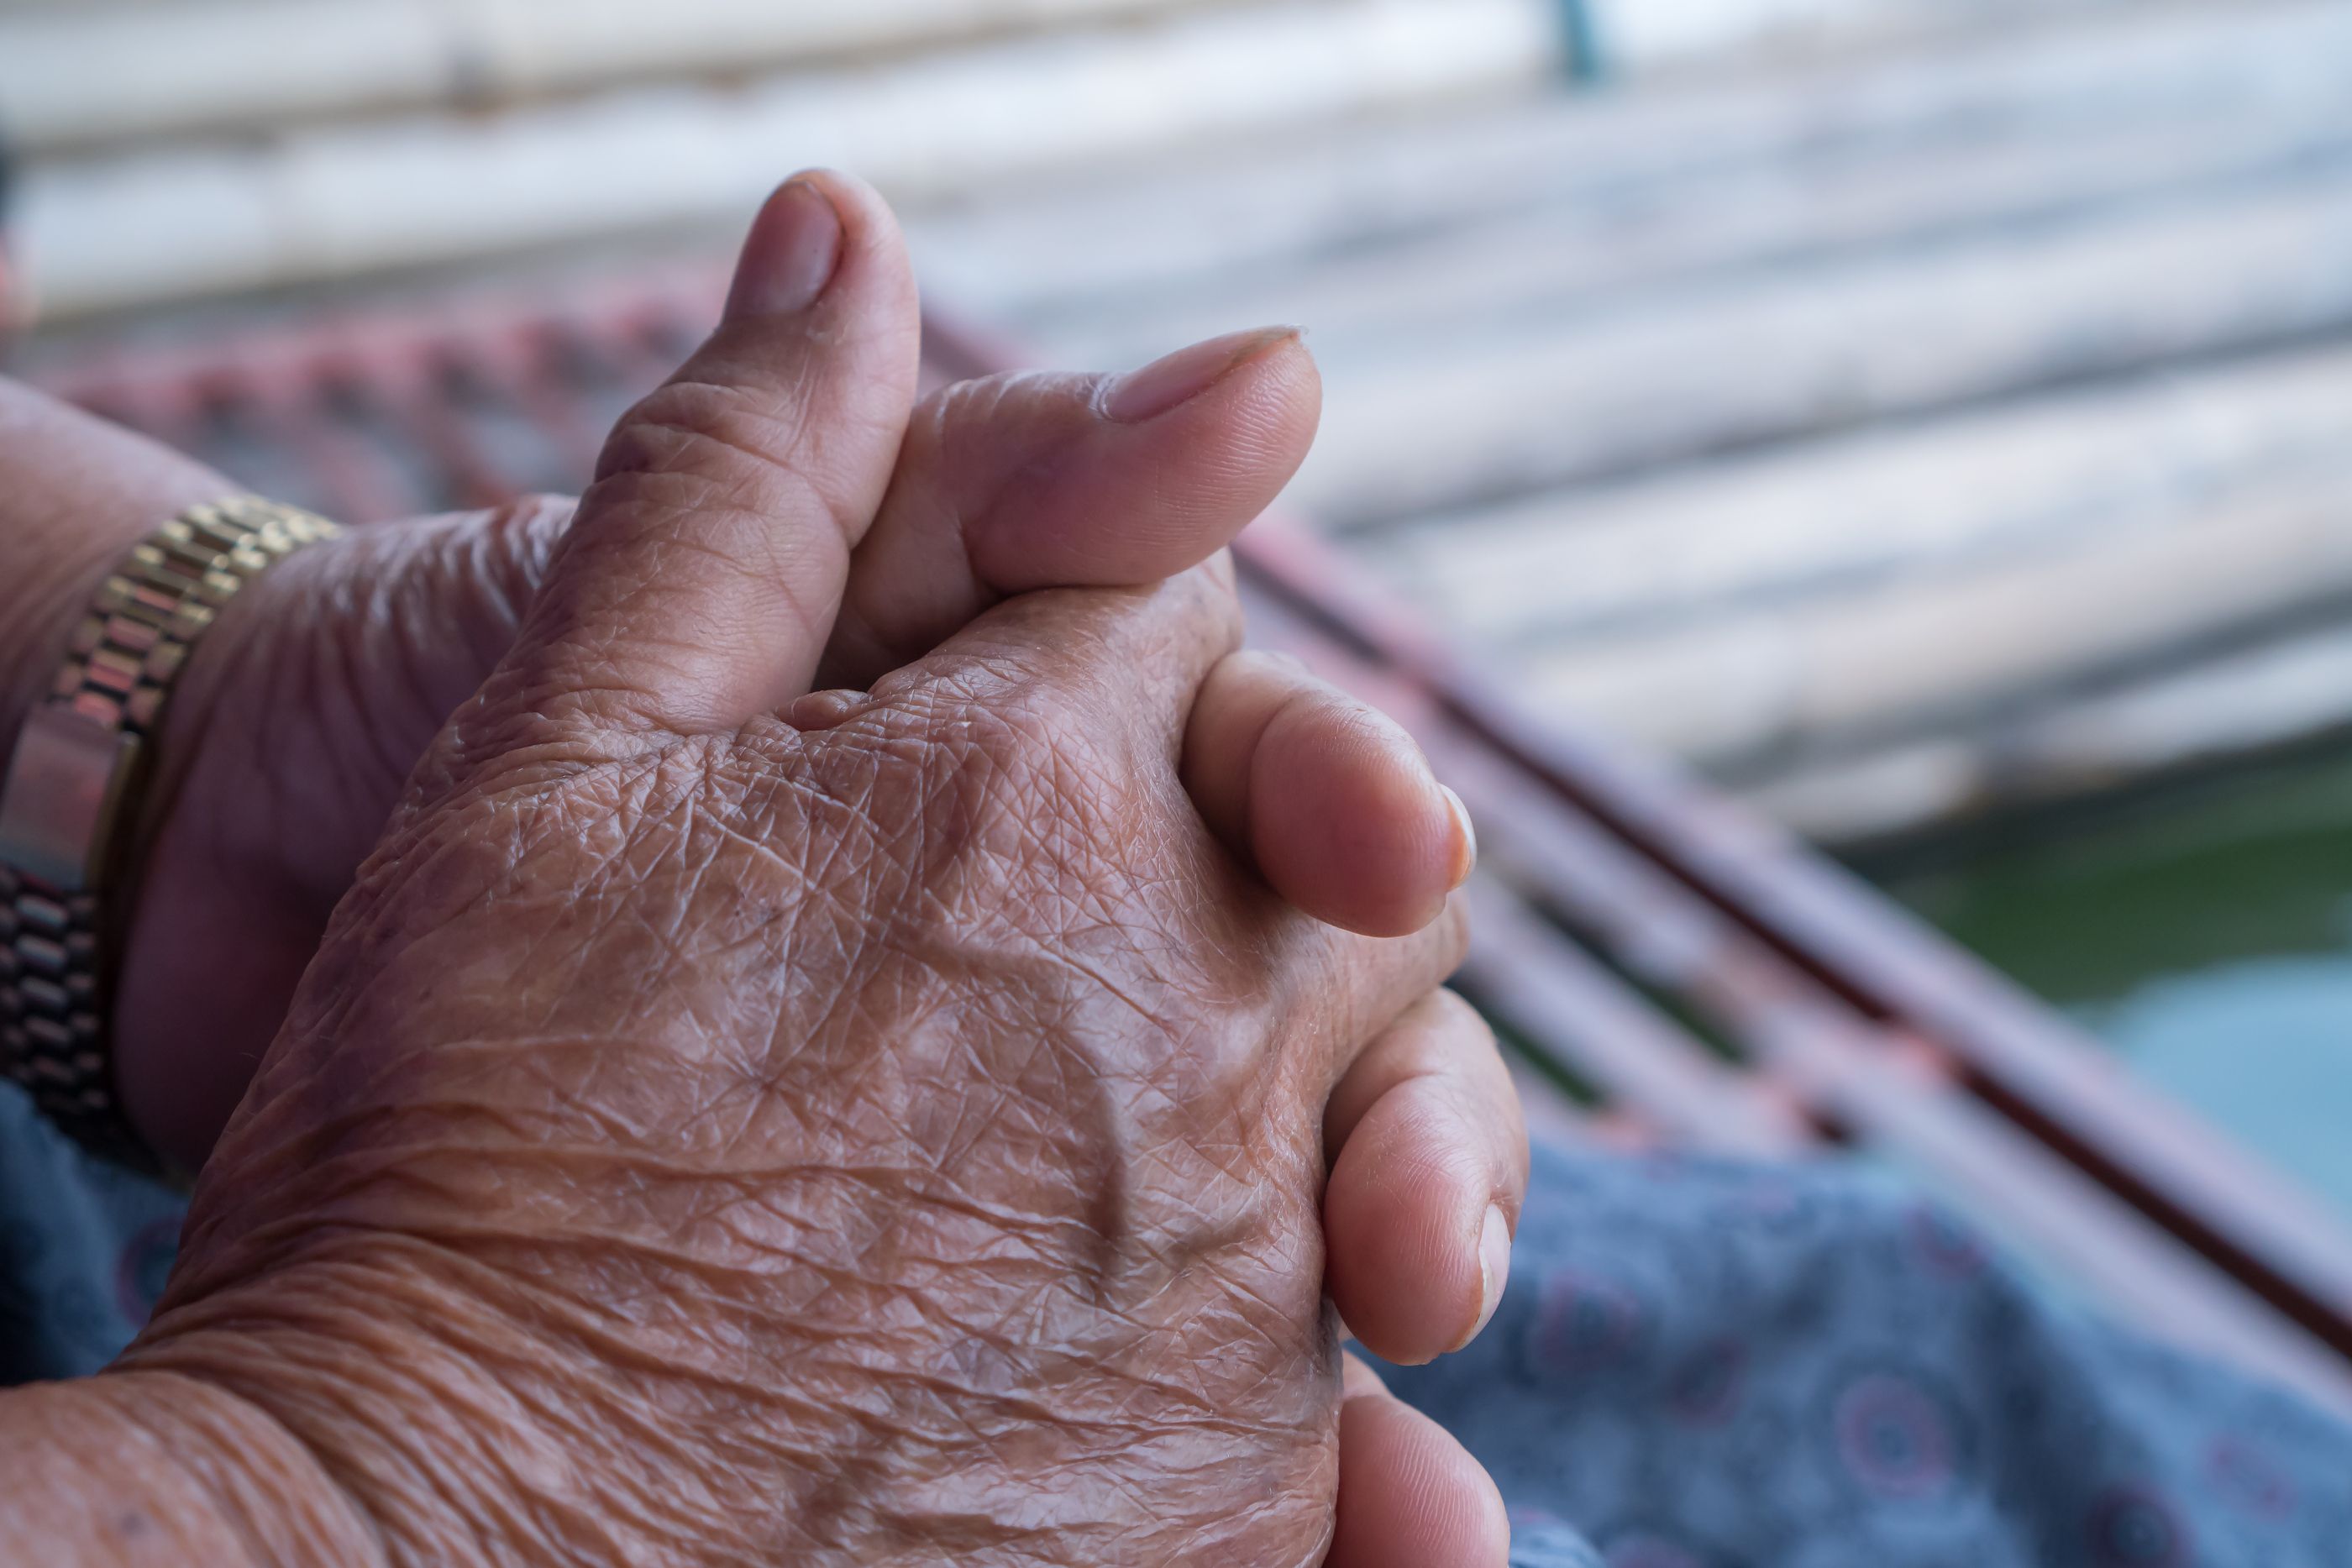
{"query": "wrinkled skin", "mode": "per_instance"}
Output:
(906, 1129)
(941, 1077)
(290, 742)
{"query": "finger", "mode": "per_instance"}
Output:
(1348, 988)
(1123, 661)
(1128, 661)
(1035, 480)
(1429, 1166)
(1410, 1495)
(1327, 797)
(701, 575)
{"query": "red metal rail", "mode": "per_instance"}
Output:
(1785, 925)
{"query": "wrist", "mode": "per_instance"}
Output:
(473, 1415)
(77, 494)
(52, 571)
(450, 1435)
(80, 791)
(151, 1468)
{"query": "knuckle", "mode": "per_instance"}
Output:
(998, 439)
(943, 416)
(964, 777)
(991, 699)
(525, 528)
(695, 447)
(516, 725)
(699, 427)
(977, 409)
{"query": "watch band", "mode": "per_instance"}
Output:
(72, 799)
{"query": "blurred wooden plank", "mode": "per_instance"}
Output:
(1834, 194)
(351, 199)
(1854, 513)
(1674, 152)
(1918, 654)
(242, 64)
(2282, 694)
(1641, 36)
(1684, 372)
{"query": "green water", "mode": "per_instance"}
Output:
(2206, 936)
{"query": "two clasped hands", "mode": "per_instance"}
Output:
(875, 1033)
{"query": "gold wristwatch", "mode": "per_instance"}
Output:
(71, 800)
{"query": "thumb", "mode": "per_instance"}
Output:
(1048, 480)
(702, 574)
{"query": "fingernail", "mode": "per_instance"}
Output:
(1466, 856)
(823, 710)
(1180, 376)
(790, 256)
(1494, 1267)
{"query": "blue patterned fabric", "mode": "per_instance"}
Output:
(84, 1247)
(1706, 1364)
(1699, 1364)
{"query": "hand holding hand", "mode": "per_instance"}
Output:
(892, 1133)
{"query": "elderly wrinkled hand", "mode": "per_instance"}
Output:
(727, 1121)
(901, 1137)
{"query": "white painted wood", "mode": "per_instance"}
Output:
(2280, 693)
(1643, 36)
(1847, 515)
(1736, 691)
(1590, 248)
(1880, 795)
(1682, 373)
(107, 234)
(116, 71)
(104, 70)
(1212, 220)
(1512, 290)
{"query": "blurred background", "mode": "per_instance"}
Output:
(1921, 425)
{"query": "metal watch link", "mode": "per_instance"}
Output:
(71, 802)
